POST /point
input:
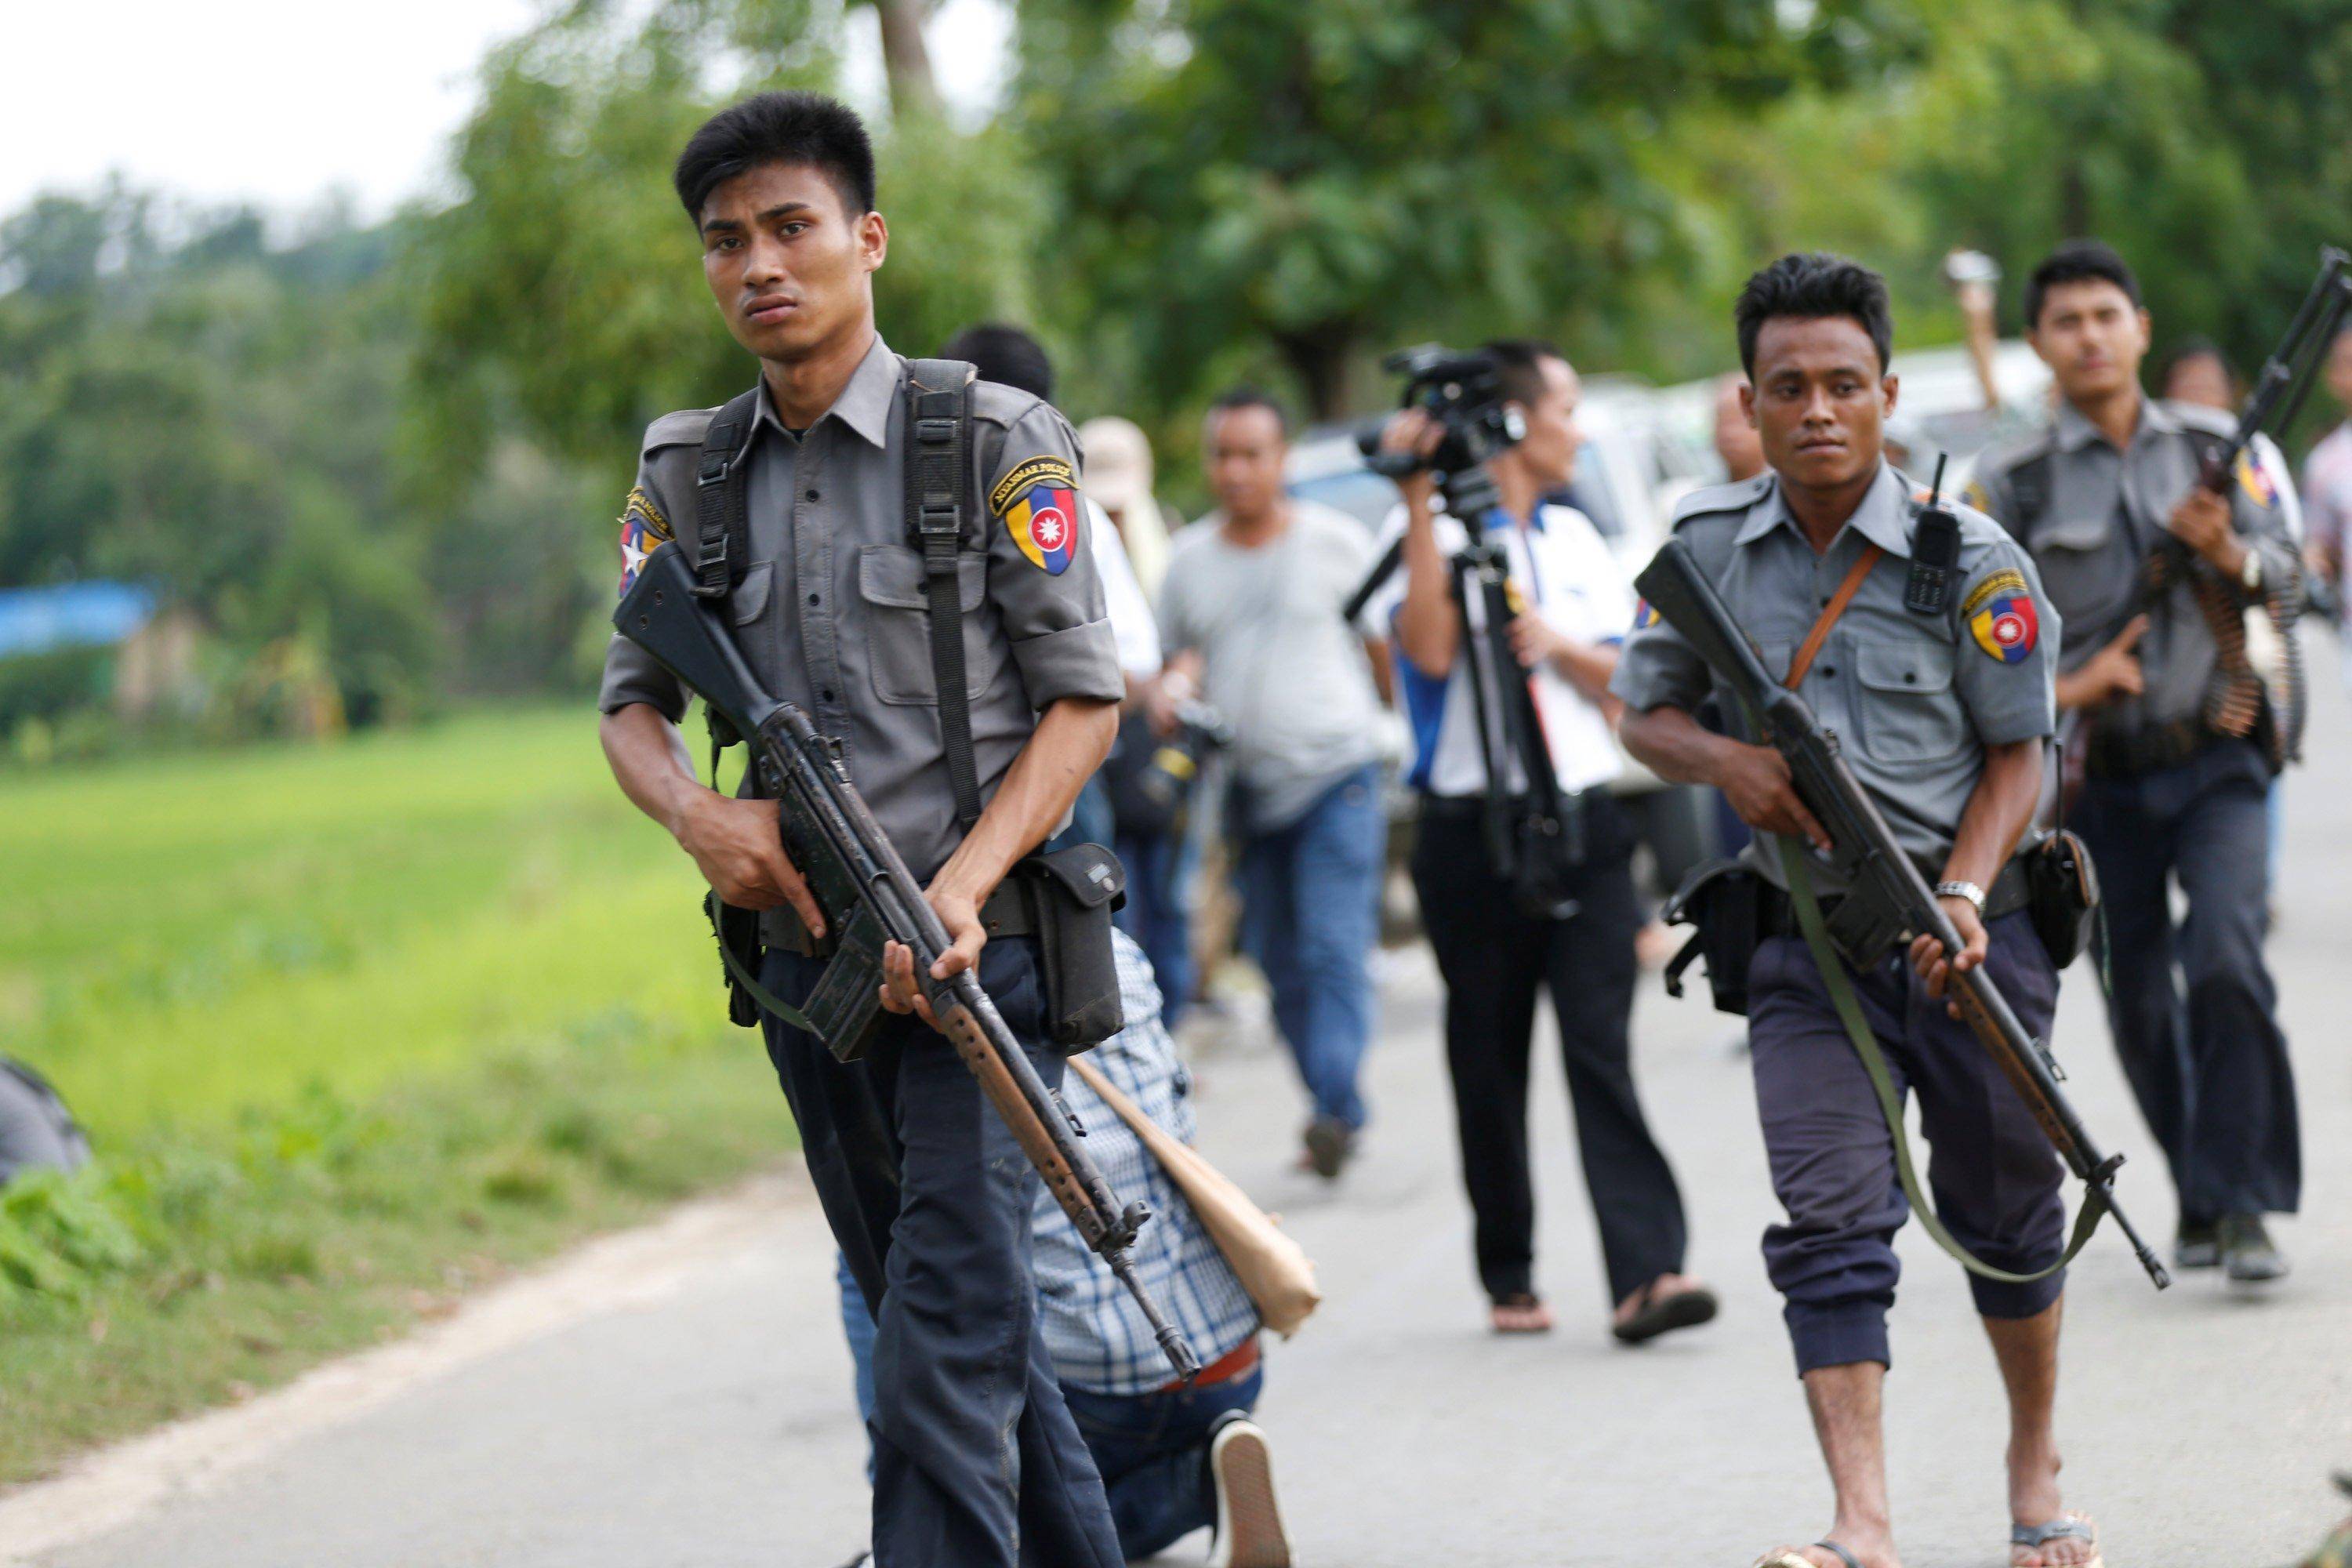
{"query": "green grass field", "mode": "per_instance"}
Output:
(352, 1026)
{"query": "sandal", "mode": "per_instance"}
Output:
(1521, 1301)
(1786, 1558)
(2072, 1527)
(1655, 1315)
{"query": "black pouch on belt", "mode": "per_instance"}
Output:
(1071, 894)
(2062, 892)
(1733, 909)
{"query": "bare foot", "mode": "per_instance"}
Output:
(1521, 1314)
(2033, 1499)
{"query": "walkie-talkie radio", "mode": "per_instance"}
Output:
(1935, 552)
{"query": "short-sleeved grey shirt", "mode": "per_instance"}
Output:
(1914, 700)
(831, 611)
(1276, 655)
(2097, 512)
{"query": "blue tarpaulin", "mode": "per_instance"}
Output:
(71, 615)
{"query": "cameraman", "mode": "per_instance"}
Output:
(1494, 955)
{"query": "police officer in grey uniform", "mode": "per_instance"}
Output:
(2166, 797)
(1943, 717)
(976, 1458)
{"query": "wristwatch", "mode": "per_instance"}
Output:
(1968, 890)
(2251, 573)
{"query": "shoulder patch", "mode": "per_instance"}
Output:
(2002, 618)
(1039, 503)
(2254, 478)
(644, 530)
(1975, 495)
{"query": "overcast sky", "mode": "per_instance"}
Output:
(280, 101)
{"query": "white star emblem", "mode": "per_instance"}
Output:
(1049, 531)
(630, 556)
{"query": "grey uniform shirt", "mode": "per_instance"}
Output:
(2101, 512)
(831, 611)
(1914, 700)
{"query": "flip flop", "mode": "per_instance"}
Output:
(1520, 1301)
(1785, 1558)
(2074, 1527)
(1663, 1314)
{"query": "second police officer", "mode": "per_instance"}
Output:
(2166, 796)
(1943, 716)
(976, 1458)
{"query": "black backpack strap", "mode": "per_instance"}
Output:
(2030, 483)
(722, 524)
(939, 512)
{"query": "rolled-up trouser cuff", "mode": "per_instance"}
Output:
(1999, 1299)
(1838, 1334)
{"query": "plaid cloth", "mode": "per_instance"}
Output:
(1096, 1335)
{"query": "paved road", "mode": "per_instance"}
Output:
(710, 1424)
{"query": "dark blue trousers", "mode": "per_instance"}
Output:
(1993, 1175)
(977, 1463)
(2191, 1004)
(1154, 1453)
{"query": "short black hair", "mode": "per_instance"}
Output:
(2194, 347)
(1247, 396)
(2078, 261)
(1518, 366)
(779, 128)
(1813, 285)
(1004, 353)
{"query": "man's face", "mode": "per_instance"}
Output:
(790, 266)
(2091, 337)
(2201, 379)
(1244, 452)
(1547, 453)
(1736, 441)
(1820, 401)
(2340, 369)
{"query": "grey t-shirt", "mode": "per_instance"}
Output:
(1277, 659)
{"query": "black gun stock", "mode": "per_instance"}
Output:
(869, 896)
(1889, 901)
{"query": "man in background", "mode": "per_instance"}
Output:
(2170, 794)
(1251, 614)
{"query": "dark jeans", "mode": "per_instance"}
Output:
(976, 1460)
(1154, 1453)
(1158, 866)
(1994, 1177)
(1495, 959)
(2192, 1007)
(1310, 914)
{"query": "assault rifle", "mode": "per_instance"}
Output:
(1889, 901)
(869, 897)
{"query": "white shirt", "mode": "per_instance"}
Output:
(1132, 626)
(1564, 570)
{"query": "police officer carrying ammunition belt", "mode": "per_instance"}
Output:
(813, 537)
(1494, 954)
(2167, 793)
(1930, 659)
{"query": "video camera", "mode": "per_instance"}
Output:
(1464, 393)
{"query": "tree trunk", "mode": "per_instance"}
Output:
(907, 59)
(1322, 355)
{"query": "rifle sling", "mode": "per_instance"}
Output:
(785, 1013)
(1890, 1103)
(1846, 590)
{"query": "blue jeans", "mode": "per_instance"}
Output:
(1310, 914)
(1159, 868)
(1154, 1451)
